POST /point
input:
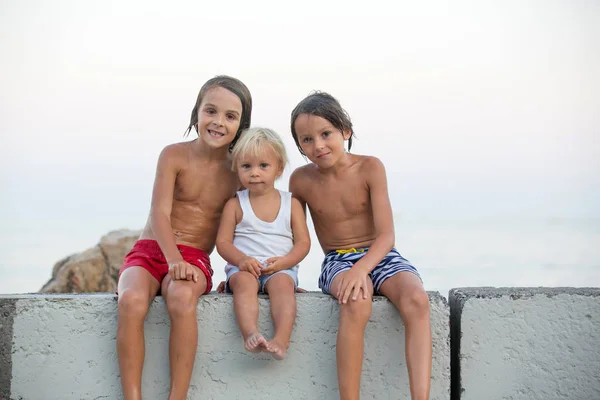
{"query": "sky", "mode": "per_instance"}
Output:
(477, 108)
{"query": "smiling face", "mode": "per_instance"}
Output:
(322, 143)
(258, 172)
(219, 117)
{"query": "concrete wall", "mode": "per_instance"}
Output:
(63, 347)
(524, 343)
(507, 343)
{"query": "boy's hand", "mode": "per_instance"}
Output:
(274, 264)
(252, 265)
(182, 270)
(221, 287)
(352, 283)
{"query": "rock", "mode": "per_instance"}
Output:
(95, 269)
(115, 246)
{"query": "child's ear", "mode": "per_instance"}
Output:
(346, 133)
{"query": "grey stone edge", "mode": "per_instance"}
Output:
(7, 314)
(459, 296)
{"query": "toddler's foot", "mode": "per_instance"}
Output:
(277, 350)
(255, 342)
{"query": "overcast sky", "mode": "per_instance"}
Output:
(477, 108)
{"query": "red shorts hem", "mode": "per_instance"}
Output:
(147, 254)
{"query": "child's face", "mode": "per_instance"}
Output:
(258, 173)
(322, 143)
(219, 117)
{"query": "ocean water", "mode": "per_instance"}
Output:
(448, 252)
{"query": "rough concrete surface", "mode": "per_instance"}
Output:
(63, 347)
(525, 343)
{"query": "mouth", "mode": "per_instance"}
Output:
(323, 155)
(215, 134)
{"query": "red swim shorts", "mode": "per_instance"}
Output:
(148, 255)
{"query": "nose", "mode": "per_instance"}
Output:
(218, 120)
(319, 143)
(254, 172)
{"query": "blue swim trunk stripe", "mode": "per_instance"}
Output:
(335, 263)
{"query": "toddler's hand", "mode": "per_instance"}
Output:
(252, 265)
(274, 264)
(182, 270)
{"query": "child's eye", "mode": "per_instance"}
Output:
(210, 111)
(326, 133)
(245, 166)
(264, 165)
(306, 140)
(231, 117)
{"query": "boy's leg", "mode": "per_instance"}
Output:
(136, 288)
(354, 316)
(281, 290)
(406, 292)
(181, 297)
(245, 304)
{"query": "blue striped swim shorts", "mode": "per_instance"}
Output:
(337, 261)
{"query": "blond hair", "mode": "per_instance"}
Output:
(253, 141)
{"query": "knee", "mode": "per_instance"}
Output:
(358, 310)
(414, 304)
(133, 303)
(181, 300)
(281, 283)
(243, 281)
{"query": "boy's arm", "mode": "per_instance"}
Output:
(384, 233)
(162, 202)
(295, 188)
(229, 219)
(301, 242)
(382, 216)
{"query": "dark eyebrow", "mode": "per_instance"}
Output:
(213, 106)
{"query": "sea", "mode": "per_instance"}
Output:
(448, 252)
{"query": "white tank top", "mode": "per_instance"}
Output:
(262, 240)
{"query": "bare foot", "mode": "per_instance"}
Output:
(277, 350)
(255, 342)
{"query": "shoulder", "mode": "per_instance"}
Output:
(301, 179)
(367, 161)
(284, 193)
(232, 204)
(295, 204)
(370, 166)
(303, 173)
(175, 153)
(176, 148)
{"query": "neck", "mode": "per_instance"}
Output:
(207, 153)
(266, 193)
(338, 167)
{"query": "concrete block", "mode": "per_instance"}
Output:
(64, 347)
(525, 343)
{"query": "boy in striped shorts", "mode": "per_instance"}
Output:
(349, 204)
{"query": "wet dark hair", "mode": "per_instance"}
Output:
(325, 106)
(236, 87)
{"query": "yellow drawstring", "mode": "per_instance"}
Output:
(352, 250)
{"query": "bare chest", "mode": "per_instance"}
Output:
(207, 188)
(339, 200)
